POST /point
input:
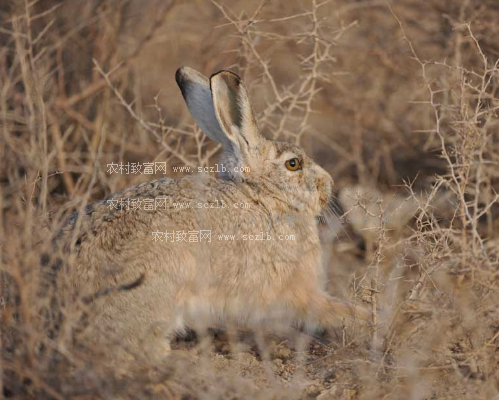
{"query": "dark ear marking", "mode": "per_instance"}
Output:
(181, 82)
(195, 89)
(233, 109)
(233, 82)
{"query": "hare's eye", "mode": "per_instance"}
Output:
(293, 164)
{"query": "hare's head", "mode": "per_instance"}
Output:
(221, 107)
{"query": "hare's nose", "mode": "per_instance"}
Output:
(324, 184)
(320, 184)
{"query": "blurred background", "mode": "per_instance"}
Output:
(396, 99)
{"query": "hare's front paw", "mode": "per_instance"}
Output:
(156, 344)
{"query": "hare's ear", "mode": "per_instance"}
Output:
(195, 88)
(234, 112)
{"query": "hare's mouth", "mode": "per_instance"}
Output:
(325, 189)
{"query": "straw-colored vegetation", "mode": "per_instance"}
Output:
(397, 100)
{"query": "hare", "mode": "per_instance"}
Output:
(270, 272)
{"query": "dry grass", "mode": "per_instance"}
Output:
(393, 98)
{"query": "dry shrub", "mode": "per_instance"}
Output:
(396, 99)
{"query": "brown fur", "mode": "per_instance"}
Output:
(201, 285)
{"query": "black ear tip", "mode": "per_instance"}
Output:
(182, 80)
(179, 76)
(229, 76)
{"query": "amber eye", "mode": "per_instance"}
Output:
(293, 164)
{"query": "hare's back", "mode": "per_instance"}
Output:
(120, 233)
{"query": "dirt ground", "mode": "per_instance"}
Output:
(398, 100)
